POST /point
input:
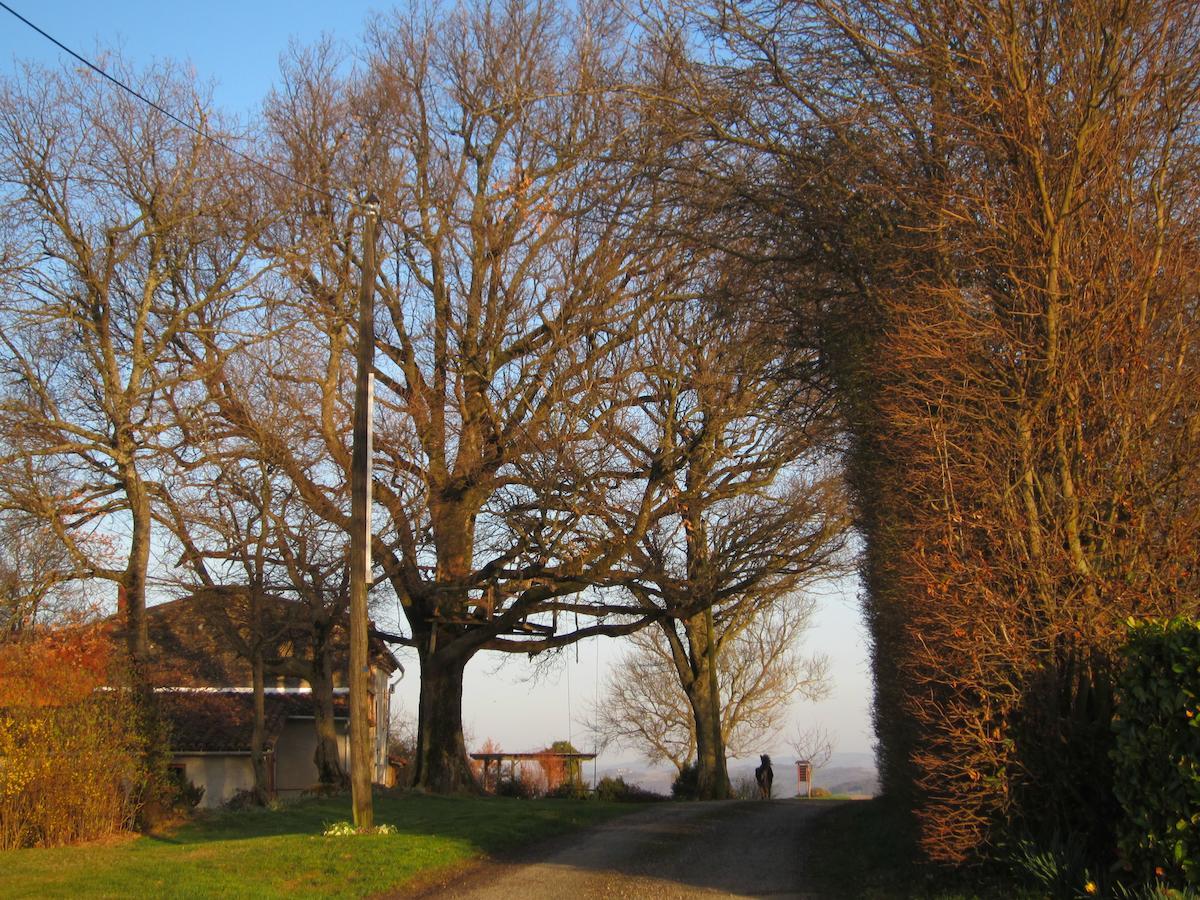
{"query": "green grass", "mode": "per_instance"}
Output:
(263, 853)
(858, 849)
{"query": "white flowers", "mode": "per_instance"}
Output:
(342, 829)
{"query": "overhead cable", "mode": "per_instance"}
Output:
(174, 118)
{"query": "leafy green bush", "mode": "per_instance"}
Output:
(1157, 754)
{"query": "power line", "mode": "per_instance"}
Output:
(170, 115)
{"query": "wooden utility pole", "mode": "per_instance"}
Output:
(361, 755)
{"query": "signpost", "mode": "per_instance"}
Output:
(804, 777)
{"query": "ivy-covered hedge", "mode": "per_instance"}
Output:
(1157, 753)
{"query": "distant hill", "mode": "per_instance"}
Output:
(854, 780)
(848, 773)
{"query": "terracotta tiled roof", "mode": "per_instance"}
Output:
(223, 722)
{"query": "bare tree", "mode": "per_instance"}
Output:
(522, 246)
(121, 243)
(992, 209)
(35, 574)
(245, 533)
(813, 744)
(756, 512)
(228, 536)
(759, 674)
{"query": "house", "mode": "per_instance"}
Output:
(199, 667)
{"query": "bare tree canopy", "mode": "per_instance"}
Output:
(36, 575)
(991, 211)
(121, 242)
(755, 511)
(524, 241)
(759, 674)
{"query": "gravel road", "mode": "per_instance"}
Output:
(731, 849)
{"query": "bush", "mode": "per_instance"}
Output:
(522, 788)
(611, 789)
(187, 794)
(1157, 753)
(78, 761)
(686, 785)
(616, 790)
(568, 790)
(1058, 869)
(243, 799)
(69, 773)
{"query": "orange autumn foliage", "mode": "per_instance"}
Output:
(56, 667)
(73, 759)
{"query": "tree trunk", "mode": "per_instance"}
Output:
(133, 585)
(441, 757)
(712, 775)
(705, 699)
(330, 773)
(258, 758)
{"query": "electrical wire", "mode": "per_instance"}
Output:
(170, 115)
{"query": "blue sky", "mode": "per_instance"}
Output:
(236, 47)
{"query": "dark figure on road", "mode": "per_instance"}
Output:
(764, 776)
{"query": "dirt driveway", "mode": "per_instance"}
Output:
(732, 849)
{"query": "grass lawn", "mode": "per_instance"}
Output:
(263, 853)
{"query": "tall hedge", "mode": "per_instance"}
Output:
(1157, 753)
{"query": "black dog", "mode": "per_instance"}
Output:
(764, 776)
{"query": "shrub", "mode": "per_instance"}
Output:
(611, 789)
(568, 790)
(187, 794)
(1157, 753)
(1057, 869)
(616, 790)
(243, 799)
(528, 782)
(69, 773)
(686, 785)
(516, 787)
(75, 761)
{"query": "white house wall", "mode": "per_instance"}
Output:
(295, 770)
(220, 776)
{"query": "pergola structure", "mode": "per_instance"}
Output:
(498, 759)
